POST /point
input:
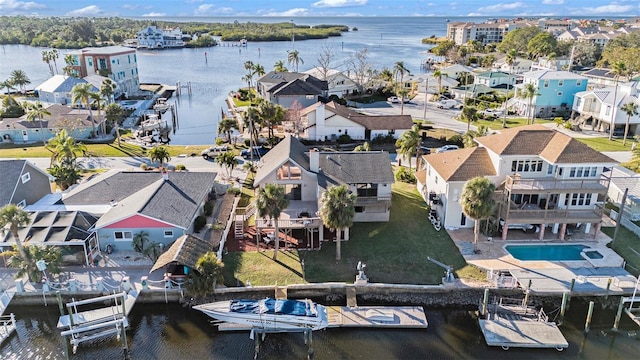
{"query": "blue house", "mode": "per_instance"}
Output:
(555, 93)
(163, 206)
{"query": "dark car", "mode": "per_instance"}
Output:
(258, 151)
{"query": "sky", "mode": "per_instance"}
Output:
(298, 8)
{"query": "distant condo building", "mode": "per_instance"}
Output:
(118, 63)
(495, 30)
(154, 38)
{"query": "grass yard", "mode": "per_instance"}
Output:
(604, 144)
(395, 252)
(496, 124)
(627, 245)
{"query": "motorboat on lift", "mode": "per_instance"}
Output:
(161, 105)
(270, 315)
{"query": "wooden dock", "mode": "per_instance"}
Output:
(7, 327)
(390, 317)
(100, 315)
(522, 333)
(5, 299)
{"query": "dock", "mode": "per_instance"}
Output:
(92, 317)
(7, 326)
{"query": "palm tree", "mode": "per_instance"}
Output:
(226, 126)
(409, 144)
(82, 93)
(477, 203)
(279, 66)
(398, 73)
(114, 113)
(337, 210)
(20, 78)
(208, 274)
(51, 255)
(36, 112)
(271, 201)
(248, 65)
(7, 84)
(15, 217)
(271, 115)
(469, 114)
(97, 102)
(469, 136)
(54, 56)
(511, 59)
(619, 69)
(139, 239)
(64, 149)
(227, 160)
(159, 154)
(293, 57)
(47, 58)
(438, 75)
(529, 92)
(70, 62)
(631, 109)
(108, 89)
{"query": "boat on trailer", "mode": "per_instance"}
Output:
(269, 315)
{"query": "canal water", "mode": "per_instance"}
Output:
(169, 331)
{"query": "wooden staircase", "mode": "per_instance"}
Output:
(249, 211)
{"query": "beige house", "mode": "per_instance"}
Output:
(339, 84)
(544, 178)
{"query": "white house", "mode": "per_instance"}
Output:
(329, 121)
(58, 88)
(544, 178)
(339, 84)
(604, 106)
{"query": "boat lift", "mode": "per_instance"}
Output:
(448, 276)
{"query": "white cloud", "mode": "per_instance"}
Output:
(553, 2)
(13, 6)
(225, 10)
(290, 12)
(154, 14)
(500, 7)
(607, 9)
(339, 3)
(203, 9)
(91, 10)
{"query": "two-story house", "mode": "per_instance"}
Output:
(306, 174)
(494, 79)
(288, 88)
(331, 120)
(604, 107)
(153, 38)
(338, 83)
(543, 178)
(22, 183)
(119, 63)
(555, 91)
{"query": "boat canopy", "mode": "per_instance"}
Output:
(273, 306)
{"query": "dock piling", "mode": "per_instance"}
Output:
(485, 302)
(616, 322)
(587, 325)
(563, 306)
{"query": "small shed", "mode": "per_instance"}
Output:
(182, 256)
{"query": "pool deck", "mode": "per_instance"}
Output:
(591, 276)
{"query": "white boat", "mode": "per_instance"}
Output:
(161, 105)
(269, 314)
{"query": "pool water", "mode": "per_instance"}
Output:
(593, 254)
(546, 252)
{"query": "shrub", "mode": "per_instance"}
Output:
(456, 139)
(383, 139)
(405, 175)
(219, 141)
(180, 167)
(208, 208)
(234, 191)
(144, 166)
(199, 223)
(344, 139)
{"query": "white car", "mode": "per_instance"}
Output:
(523, 227)
(491, 112)
(447, 148)
(393, 100)
(214, 151)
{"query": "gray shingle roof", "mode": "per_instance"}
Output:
(357, 167)
(10, 171)
(288, 148)
(113, 187)
(174, 201)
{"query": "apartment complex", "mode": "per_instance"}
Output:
(494, 31)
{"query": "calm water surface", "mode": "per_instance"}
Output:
(171, 332)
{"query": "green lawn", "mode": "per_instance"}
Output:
(395, 252)
(496, 124)
(627, 245)
(100, 150)
(604, 144)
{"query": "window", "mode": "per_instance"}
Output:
(289, 171)
(546, 83)
(168, 233)
(123, 236)
(550, 169)
(25, 177)
(580, 199)
(367, 190)
(608, 110)
(463, 220)
(359, 209)
(526, 165)
(22, 204)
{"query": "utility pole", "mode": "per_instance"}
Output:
(426, 98)
(619, 217)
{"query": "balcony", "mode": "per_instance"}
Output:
(532, 214)
(515, 185)
(370, 200)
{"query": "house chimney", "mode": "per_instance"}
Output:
(314, 160)
(165, 174)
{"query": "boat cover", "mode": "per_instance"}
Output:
(273, 306)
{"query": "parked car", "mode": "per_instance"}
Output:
(214, 151)
(393, 100)
(448, 104)
(523, 227)
(447, 148)
(425, 150)
(258, 151)
(488, 113)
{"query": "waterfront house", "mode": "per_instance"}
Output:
(555, 91)
(287, 88)
(597, 106)
(602, 77)
(455, 70)
(338, 83)
(77, 122)
(494, 79)
(329, 121)
(118, 63)
(22, 183)
(624, 179)
(153, 38)
(58, 88)
(520, 65)
(543, 177)
(164, 206)
(306, 174)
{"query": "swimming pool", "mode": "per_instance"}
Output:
(547, 252)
